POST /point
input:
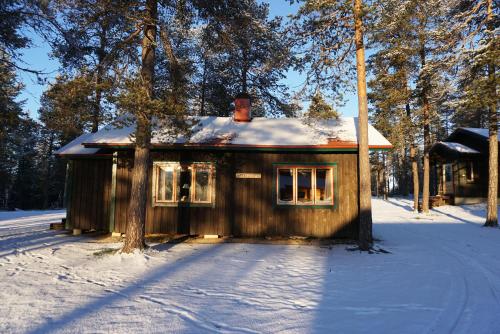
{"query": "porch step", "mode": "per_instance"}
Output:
(57, 226)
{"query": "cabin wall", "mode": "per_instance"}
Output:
(471, 192)
(90, 194)
(246, 207)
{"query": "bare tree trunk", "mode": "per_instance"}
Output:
(377, 173)
(137, 206)
(365, 210)
(99, 74)
(405, 178)
(414, 171)
(492, 213)
(47, 171)
(426, 122)
(402, 171)
(203, 88)
(427, 145)
(96, 114)
(244, 71)
(384, 176)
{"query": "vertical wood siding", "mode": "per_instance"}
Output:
(246, 207)
(90, 194)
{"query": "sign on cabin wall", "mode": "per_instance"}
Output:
(248, 175)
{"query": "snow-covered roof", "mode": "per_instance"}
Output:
(480, 131)
(260, 132)
(75, 147)
(460, 148)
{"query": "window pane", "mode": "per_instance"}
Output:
(184, 184)
(304, 185)
(285, 185)
(470, 170)
(448, 172)
(165, 183)
(324, 181)
(201, 187)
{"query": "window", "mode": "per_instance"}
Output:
(469, 171)
(285, 186)
(165, 177)
(202, 185)
(324, 185)
(448, 172)
(175, 183)
(305, 185)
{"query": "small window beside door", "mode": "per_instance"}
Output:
(305, 185)
(176, 183)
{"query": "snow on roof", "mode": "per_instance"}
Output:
(261, 131)
(480, 131)
(460, 148)
(75, 147)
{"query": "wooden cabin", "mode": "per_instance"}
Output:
(460, 166)
(234, 176)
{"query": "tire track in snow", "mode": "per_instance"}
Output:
(196, 320)
(487, 273)
(463, 266)
(464, 300)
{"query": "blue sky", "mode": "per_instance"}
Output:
(38, 57)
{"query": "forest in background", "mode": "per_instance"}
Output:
(432, 68)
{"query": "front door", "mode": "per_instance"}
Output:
(448, 188)
(248, 196)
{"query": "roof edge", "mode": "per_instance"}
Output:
(336, 145)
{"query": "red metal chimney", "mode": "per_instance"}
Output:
(242, 108)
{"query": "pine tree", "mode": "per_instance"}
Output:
(492, 55)
(328, 31)
(413, 51)
(65, 113)
(11, 117)
(67, 106)
(319, 109)
(11, 38)
(137, 204)
(246, 52)
(92, 41)
(24, 192)
(394, 66)
(476, 25)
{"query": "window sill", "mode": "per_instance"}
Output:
(184, 205)
(305, 206)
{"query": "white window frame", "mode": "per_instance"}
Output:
(313, 169)
(177, 168)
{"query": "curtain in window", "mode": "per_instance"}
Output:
(202, 182)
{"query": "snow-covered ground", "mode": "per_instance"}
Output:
(17, 222)
(442, 275)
